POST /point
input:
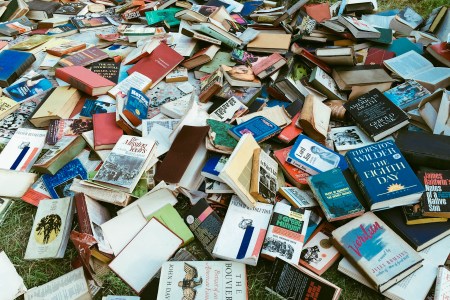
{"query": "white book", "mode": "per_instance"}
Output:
(135, 80)
(147, 124)
(14, 184)
(23, 149)
(145, 254)
(217, 187)
(161, 136)
(229, 111)
(243, 231)
(298, 198)
(178, 108)
(98, 214)
(442, 290)
(50, 232)
(11, 285)
(349, 137)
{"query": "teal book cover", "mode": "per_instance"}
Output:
(407, 95)
(335, 196)
(167, 15)
(12, 64)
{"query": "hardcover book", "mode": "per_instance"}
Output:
(12, 64)
(106, 131)
(407, 95)
(259, 127)
(242, 234)
(436, 199)
(268, 65)
(50, 232)
(286, 233)
(264, 185)
(318, 253)
(218, 279)
(84, 57)
(376, 115)
(384, 176)
(359, 28)
(71, 9)
(205, 223)
(414, 215)
(84, 80)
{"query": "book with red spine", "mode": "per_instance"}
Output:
(84, 80)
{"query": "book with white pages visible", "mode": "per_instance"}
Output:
(12, 285)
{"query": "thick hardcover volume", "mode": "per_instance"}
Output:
(136, 106)
(436, 199)
(376, 250)
(219, 280)
(268, 65)
(181, 153)
(312, 157)
(261, 128)
(242, 234)
(384, 176)
(84, 80)
(335, 196)
(286, 233)
(106, 131)
(264, 185)
(205, 223)
(158, 64)
(442, 290)
(292, 282)
(82, 214)
(12, 64)
(376, 115)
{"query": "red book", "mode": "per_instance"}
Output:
(290, 132)
(296, 49)
(158, 64)
(268, 65)
(82, 213)
(294, 175)
(84, 80)
(319, 12)
(376, 56)
(440, 52)
(106, 131)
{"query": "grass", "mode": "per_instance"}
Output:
(16, 228)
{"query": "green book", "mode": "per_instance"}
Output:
(221, 58)
(170, 218)
(168, 15)
(386, 36)
(222, 140)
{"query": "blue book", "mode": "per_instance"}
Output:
(260, 127)
(28, 88)
(384, 176)
(335, 196)
(58, 185)
(403, 45)
(250, 7)
(407, 95)
(136, 106)
(12, 64)
(92, 107)
(213, 167)
(314, 158)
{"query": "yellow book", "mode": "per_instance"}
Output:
(7, 106)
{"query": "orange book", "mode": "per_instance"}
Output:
(319, 12)
(290, 132)
(294, 175)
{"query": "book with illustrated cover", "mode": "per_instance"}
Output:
(264, 185)
(126, 163)
(348, 138)
(28, 88)
(12, 64)
(107, 69)
(136, 106)
(414, 215)
(286, 233)
(50, 231)
(407, 95)
(242, 234)
(295, 175)
(104, 104)
(66, 127)
(7, 106)
(259, 127)
(436, 199)
(92, 23)
(84, 57)
(442, 290)
(229, 111)
(297, 197)
(210, 85)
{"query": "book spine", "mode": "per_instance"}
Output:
(82, 214)
(218, 36)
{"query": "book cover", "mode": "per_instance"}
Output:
(210, 85)
(17, 26)
(296, 176)
(213, 166)
(376, 115)
(58, 185)
(288, 281)
(242, 234)
(106, 131)
(159, 15)
(348, 138)
(71, 9)
(107, 69)
(92, 23)
(442, 290)
(334, 195)
(436, 199)
(66, 127)
(50, 232)
(326, 84)
(414, 215)
(229, 111)
(91, 107)
(28, 88)
(205, 223)
(7, 106)
(377, 251)
(286, 233)
(264, 184)
(290, 132)
(135, 80)
(136, 106)
(297, 197)
(83, 57)
(259, 127)
(84, 80)
(219, 137)
(384, 175)
(407, 95)
(12, 64)
(318, 253)
(264, 67)
(203, 279)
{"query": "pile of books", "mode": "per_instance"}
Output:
(262, 130)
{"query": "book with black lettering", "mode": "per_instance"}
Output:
(436, 199)
(203, 280)
(384, 176)
(289, 281)
(376, 250)
(376, 115)
(205, 223)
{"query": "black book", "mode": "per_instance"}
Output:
(376, 115)
(41, 10)
(71, 9)
(107, 69)
(436, 199)
(295, 283)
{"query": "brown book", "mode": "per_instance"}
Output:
(84, 58)
(315, 118)
(82, 214)
(203, 56)
(181, 153)
(348, 77)
(343, 56)
(66, 48)
(263, 184)
(210, 85)
(270, 43)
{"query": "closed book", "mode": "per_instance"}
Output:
(315, 118)
(334, 195)
(442, 290)
(348, 77)
(136, 106)
(106, 131)
(218, 33)
(297, 197)
(210, 85)
(135, 80)
(261, 128)
(84, 80)
(213, 166)
(218, 138)
(434, 19)
(286, 233)
(436, 199)
(17, 26)
(84, 57)
(229, 111)
(418, 236)
(242, 234)
(413, 215)
(270, 43)
(295, 176)
(265, 67)
(384, 176)
(7, 106)
(71, 10)
(359, 28)
(378, 252)
(325, 84)
(201, 57)
(376, 115)
(377, 56)
(158, 64)
(12, 64)
(34, 86)
(41, 10)
(66, 127)
(440, 52)
(205, 223)
(91, 23)
(343, 56)
(15, 183)
(264, 185)
(290, 132)
(407, 95)
(106, 69)
(284, 278)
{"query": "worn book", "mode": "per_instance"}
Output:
(268, 65)
(179, 74)
(436, 199)
(242, 234)
(381, 255)
(50, 231)
(220, 279)
(348, 138)
(31, 86)
(325, 84)
(384, 176)
(298, 198)
(240, 76)
(442, 290)
(12, 64)
(229, 111)
(41, 10)
(135, 80)
(14, 285)
(66, 127)
(218, 33)
(85, 80)
(270, 43)
(294, 175)
(334, 195)
(136, 106)
(15, 183)
(7, 106)
(348, 78)
(376, 115)
(31, 42)
(284, 279)
(106, 69)
(259, 127)
(84, 57)
(359, 28)
(201, 57)
(315, 118)
(23, 149)
(126, 163)
(221, 58)
(264, 185)
(414, 215)
(211, 85)
(106, 131)
(91, 23)
(218, 138)
(69, 10)
(434, 112)
(343, 56)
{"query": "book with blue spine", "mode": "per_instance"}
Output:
(335, 196)
(136, 106)
(58, 185)
(313, 158)
(384, 176)
(261, 128)
(376, 250)
(213, 166)
(12, 64)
